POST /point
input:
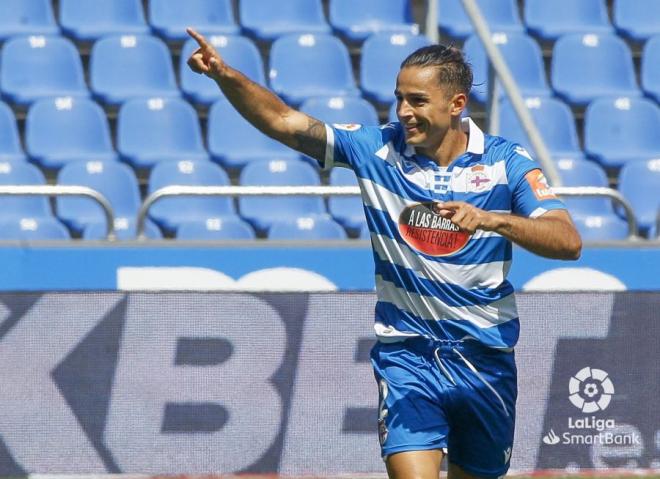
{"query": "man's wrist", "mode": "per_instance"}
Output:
(495, 222)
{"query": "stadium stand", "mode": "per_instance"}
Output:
(27, 17)
(40, 67)
(347, 211)
(170, 213)
(129, 66)
(16, 207)
(125, 229)
(222, 228)
(151, 130)
(585, 67)
(307, 228)
(268, 20)
(601, 228)
(10, 141)
(585, 173)
(639, 183)
(262, 212)
(305, 66)
(501, 16)
(382, 55)
(619, 130)
(341, 110)
(550, 20)
(637, 20)
(240, 52)
(87, 21)
(169, 18)
(356, 20)
(30, 229)
(650, 68)
(62, 130)
(523, 56)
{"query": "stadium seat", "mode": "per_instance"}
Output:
(269, 20)
(357, 19)
(125, 229)
(550, 20)
(30, 229)
(501, 16)
(169, 18)
(116, 181)
(650, 68)
(556, 125)
(584, 173)
(151, 130)
(222, 228)
(129, 66)
(365, 234)
(10, 142)
(637, 20)
(39, 67)
(262, 212)
(61, 130)
(601, 228)
(169, 213)
(523, 56)
(304, 66)
(639, 183)
(333, 110)
(26, 17)
(382, 55)
(307, 228)
(348, 211)
(239, 52)
(585, 67)
(233, 142)
(87, 21)
(620, 130)
(22, 173)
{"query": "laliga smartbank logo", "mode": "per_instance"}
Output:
(591, 390)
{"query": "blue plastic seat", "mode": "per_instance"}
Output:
(116, 181)
(239, 52)
(169, 18)
(584, 173)
(382, 55)
(348, 211)
(38, 67)
(601, 228)
(637, 20)
(27, 17)
(269, 20)
(639, 183)
(304, 66)
(61, 130)
(554, 120)
(308, 228)
(87, 21)
(501, 16)
(550, 20)
(22, 173)
(262, 212)
(357, 19)
(10, 142)
(620, 130)
(129, 66)
(585, 67)
(125, 229)
(222, 228)
(650, 68)
(30, 229)
(348, 109)
(233, 142)
(523, 56)
(151, 130)
(169, 213)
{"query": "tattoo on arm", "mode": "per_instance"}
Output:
(312, 140)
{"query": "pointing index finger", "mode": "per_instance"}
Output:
(199, 38)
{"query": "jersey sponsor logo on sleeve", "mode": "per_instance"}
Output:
(428, 232)
(539, 185)
(347, 126)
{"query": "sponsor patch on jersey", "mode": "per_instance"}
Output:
(347, 126)
(539, 185)
(478, 179)
(428, 232)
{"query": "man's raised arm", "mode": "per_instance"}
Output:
(258, 105)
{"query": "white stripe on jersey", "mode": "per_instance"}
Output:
(329, 147)
(468, 276)
(496, 173)
(429, 308)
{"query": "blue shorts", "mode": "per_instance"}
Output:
(454, 395)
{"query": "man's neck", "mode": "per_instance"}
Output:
(453, 145)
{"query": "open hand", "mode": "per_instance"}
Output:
(467, 217)
(205, 59)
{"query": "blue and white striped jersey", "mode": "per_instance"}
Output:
(433, 279)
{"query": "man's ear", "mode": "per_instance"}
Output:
(458, 104)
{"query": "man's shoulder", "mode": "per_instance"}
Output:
(497, 148)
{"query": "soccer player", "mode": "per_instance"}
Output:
(443, 202)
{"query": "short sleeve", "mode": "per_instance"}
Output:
(349, 145)
(531, 195)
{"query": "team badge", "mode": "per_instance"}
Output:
(347, 126)
(426, 231)
(539, 185)
(477, 179)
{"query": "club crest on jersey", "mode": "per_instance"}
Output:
(428, 232)
(539, 185)
(478, 179)
(347, 126)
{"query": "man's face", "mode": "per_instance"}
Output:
(424, 108)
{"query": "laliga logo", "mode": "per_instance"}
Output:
(591, 390)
